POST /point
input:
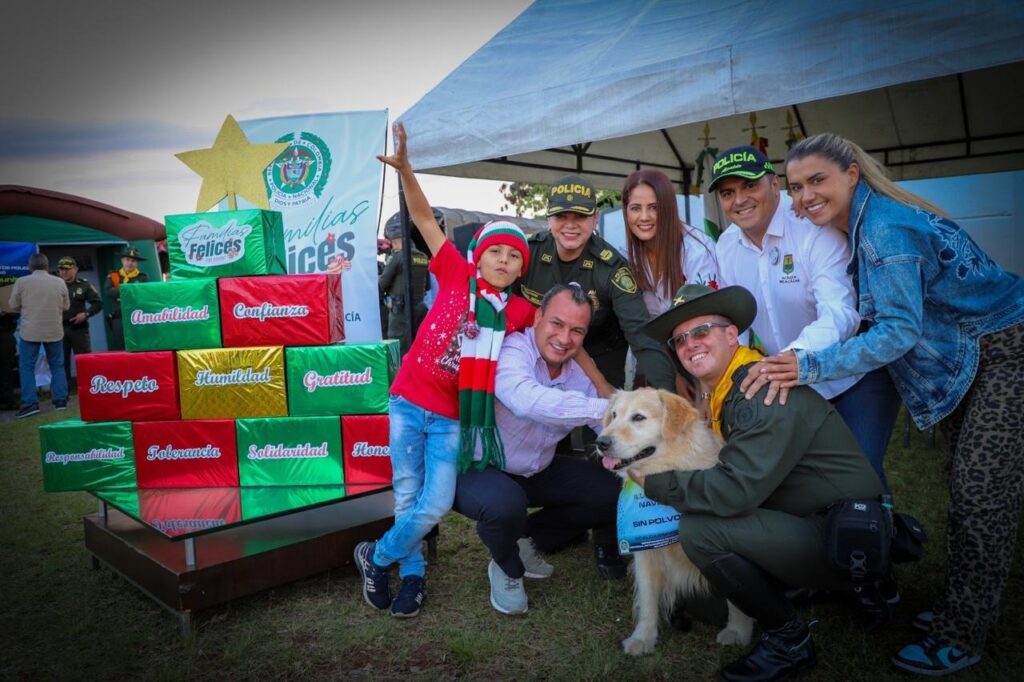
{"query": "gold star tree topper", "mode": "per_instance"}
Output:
(232, 166)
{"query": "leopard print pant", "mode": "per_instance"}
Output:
(986, 485)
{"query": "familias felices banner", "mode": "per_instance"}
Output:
(327, 185)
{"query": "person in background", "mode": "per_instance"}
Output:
(41, 299)
(948, 324)
(664, 252)
(442, 401)
(392, 283)
(8, 325)
(805, 299)
(128, 273)
(85, 302)
(542, 395)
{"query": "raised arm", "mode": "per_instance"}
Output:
(419, 208)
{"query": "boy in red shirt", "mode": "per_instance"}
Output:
(442, 401)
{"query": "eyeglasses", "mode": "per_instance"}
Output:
(698, 332)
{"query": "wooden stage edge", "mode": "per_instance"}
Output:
(235, 562)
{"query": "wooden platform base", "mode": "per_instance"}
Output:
(238, 561)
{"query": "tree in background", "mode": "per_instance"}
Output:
(529, 200)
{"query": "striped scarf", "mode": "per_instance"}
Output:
(478, 363)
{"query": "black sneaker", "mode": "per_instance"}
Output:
(59, 405)
(609, 564)
(410, 597)
(376, 580)
(27, 411)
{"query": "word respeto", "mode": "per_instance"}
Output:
(101, 384)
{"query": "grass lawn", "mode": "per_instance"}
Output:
(61, 620)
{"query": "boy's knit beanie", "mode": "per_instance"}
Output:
(500, 232)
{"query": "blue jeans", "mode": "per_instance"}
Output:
(28, 352)
(424, 449)
(869, 408)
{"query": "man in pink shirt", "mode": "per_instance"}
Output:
(542, 395)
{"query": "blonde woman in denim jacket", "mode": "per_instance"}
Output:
(948, 323)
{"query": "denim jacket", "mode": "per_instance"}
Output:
(929, 293)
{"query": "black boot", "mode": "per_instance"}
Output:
(781, 654)
(785, 649)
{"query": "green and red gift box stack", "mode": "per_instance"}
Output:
(235, 374)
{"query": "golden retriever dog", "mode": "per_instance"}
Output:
(646, 432)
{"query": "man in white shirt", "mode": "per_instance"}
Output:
(41, 298)
(542, 395)
(797, 273)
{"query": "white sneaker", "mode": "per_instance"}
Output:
(533, 562)
(507, 594)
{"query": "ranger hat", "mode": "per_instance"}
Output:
(132, 252)
(740, 162)
(67, 262)
(572, 194)
(697, 300)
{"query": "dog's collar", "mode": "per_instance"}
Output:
(643, 454)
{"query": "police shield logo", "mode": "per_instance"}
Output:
(300, 173)
(623, 280)
(787, 264)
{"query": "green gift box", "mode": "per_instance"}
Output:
(81, 455)
(289, 451)
(226, 243)
(343, 379)
(174, 315)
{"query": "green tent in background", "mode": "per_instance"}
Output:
(94, 233)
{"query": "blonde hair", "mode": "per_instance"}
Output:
(843, 153)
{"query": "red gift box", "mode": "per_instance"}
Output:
(127, 386)
(281, 310)
(197, 453)
(365, 441)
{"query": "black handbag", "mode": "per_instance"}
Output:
(858, 539)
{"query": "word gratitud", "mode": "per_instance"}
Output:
(364, 449)
(248, 375)
(281, 451)
(265, 310)
(170, 452)
(101, 384)
(96, 454)
(314, 380)
(171, 314)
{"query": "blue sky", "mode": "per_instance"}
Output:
(100, 95)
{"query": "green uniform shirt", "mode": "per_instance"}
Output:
(796, 458)
(392, 280)
(84, 299)
(619, 309)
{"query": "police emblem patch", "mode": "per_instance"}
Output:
(623, 280)
(300, 173)
(744, 416)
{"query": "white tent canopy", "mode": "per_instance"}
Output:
(602, 88)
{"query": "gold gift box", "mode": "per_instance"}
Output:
(228, 383)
